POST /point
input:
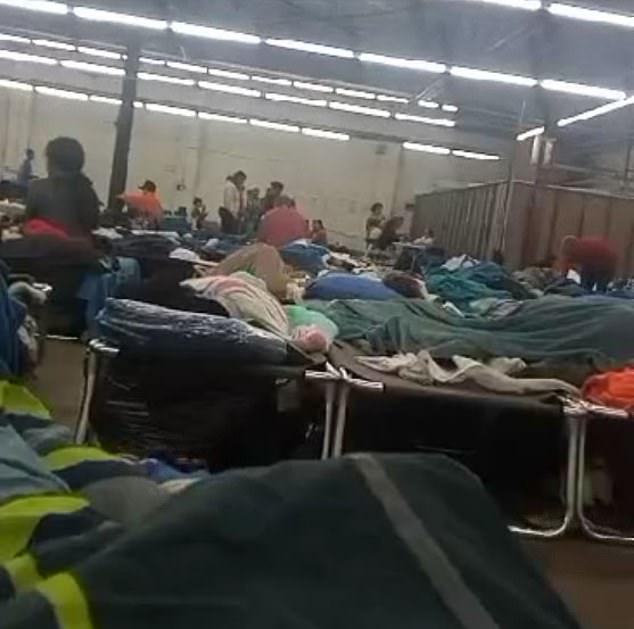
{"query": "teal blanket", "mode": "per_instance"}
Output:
(598, 329)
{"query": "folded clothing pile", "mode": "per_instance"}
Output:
(614, 388)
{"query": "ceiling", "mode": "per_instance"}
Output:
(450, 31)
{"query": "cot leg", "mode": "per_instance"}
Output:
(331, 390)
(90, 378)
(342, 411)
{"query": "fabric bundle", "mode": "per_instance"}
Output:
(614, 388)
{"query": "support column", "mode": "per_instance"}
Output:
(125, 120)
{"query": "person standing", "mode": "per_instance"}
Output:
(593, 258)
(272, 196)
(374, 224)
(146, 202)
(198, 213)
(64, 204)
(233, 202)
(25, 172)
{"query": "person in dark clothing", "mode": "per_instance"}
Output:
(318, 233)
(272, 196)
(594, 258)
(25, 173)
(65, 203)
(374, 224)
(390, 234)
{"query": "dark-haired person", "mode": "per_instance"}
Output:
(233, 203)
(199, 213)
(63, 204)
(146, 202)
(25, 172)
(318, 233)
(374, 224)
(274, 192)
(593, 258)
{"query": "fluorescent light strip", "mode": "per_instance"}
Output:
(342, 91)
(313, 87)
(531, 133)
(483, 157)
(106, 100)
(318, 49)
(426, 148)
(386, 98)
(229, 89)
(186, 67)
(138, 104)
(153, 62)
(527, 5)
(16, 85)
(326, 135)
(497, 77)
(582, 90)
(275, 126)
(98, 15)
(163, 78)
(51, 91)
(91, 67)
(358, 109)
(591, 15)
(57, 45)
(208, 32)
(409, 64)
(594, 113)
(14, 38)
(23, 56)
(203, 115)
(172, 111)
(41, 6)
(97, 52)
(450, 109)
(228, 74)
(271, 81)
(284, 98)
(428, 104)
(438, 122)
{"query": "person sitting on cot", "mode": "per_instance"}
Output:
(593, 258)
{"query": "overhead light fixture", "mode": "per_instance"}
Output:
(164, 78)
(23, 56)
(318, 49)
(428, 104)
(497, 77)
(106, 100)
(99, 15)
(57, 45)
(409, 64)
(275, 126)
(98, 52)
(52, 91)
(271, 81)
(483, 157)
(313, 87)
(172, 111)
(343, 91)
(203, 115)
(91, 67)
(229, 89)
(153, 62)
(228, 74)
(42, 6)
(582, 90)
(358, 109)
(531, 133)
(450, 109)
(298, 100)
(591, 15)
(595, 113)
(14, 38)
(208, 32)
(16, 85)
(438, 122)
(527, 5)
(426, 148)
(326, 135)
(186, 67)
(138, 104)
(386, 98)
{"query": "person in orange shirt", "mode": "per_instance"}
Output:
(146, 202)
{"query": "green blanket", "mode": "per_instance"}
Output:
(598, 329)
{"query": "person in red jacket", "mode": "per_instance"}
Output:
(283, 224)
(593, 258)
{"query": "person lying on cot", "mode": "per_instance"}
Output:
(593, 258)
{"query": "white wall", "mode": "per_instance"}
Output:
(335, 181)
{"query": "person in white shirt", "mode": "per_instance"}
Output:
(233, 204)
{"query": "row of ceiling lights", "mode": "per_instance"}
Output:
(197, 30)
(217, 117)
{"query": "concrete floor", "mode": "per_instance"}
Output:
(596, 580)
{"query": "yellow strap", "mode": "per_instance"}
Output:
(74, 455)
(15, 398)
(68, 601)
(19, 517)
(23, 572)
